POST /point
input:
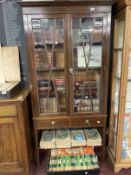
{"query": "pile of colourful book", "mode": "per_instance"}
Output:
(80, 158)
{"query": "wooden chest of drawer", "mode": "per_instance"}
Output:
(8, 110)
(87, 122)
(52, 123)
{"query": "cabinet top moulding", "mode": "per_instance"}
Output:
(63, 2)
(58, 7)
(120, 4)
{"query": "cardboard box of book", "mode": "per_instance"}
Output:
(9, 71)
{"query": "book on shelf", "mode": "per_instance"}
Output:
(61, 152)
(58, 61)
(53, 164)
(96, 108)
(48, 105)
(60, 84)
(45, 83)
(82, 102)
(78, 162)
(63, 138)
(47, 140)
(96, 101)
(93, 137)
(78, 138)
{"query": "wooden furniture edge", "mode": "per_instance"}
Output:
(62, 3)
(20, 96)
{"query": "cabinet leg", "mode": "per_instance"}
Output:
(103, 143)
(36, 149)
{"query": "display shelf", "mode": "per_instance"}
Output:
(47, 70)
(42, 46)
(69, 138)
(97, 69)
(118, 49)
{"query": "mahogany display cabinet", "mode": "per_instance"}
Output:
(68, 45)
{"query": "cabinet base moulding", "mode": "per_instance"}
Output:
(12, 169)
(116, 167)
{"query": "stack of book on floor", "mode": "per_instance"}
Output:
(82, 158)
(66, 138)
(93, 137)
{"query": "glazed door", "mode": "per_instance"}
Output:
(116, 83)
(70, 63)
(126, 124)
(50, 63)
(86, 67)
(125, 146)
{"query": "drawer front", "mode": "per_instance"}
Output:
(87, 122)
(8, 110)
(52, 123)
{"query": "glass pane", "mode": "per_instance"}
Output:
(126, 141)
(86, 92)
(119, 31)
(36, 24)
(87, 60)
(50, 64)
(59, 23)
(116, 82)
(117, 60)
(47, 24)
(37, 38)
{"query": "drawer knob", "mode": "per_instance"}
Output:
(98, 122)
(87, 122)
(53, 123)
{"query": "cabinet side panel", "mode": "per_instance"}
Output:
(8, 143)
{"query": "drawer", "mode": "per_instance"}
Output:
(8, 110)
(87, 122)
(51, 123)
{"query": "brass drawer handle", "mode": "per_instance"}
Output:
(53, 123)
(98, 122)
(87, 122)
